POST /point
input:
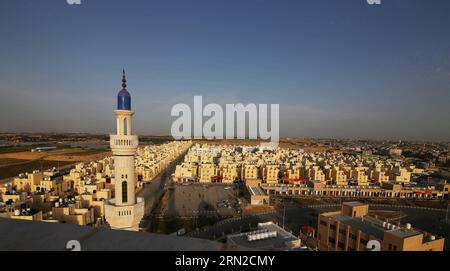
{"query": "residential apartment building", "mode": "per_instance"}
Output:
(353, 228)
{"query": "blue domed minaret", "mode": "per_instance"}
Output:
(124, 211)
(124, 97)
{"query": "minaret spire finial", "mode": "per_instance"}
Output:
(124, 80)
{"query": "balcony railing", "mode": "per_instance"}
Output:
(124, 141)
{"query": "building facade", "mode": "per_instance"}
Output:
(353, 227)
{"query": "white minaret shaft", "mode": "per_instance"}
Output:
(125, 211)
(124, 145)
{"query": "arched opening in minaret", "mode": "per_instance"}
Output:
(125, 126)
(124, 192)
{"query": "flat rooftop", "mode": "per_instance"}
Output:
(274, 243)
(404, 233)
(360, 224)
(22, 235)
(256, 191)
(354, 203)
(372, 226)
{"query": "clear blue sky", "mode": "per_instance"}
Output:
(341, 69)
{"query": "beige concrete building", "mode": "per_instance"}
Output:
(359, 174)
(271, 173)
(230, 173)
(257, 195)
(207, 173)
(315, 173)
(186, 172)
(353, 228)
(70, 211)
(250, 172)
(29, 181)
(338, 177)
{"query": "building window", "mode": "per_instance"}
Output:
(331, 240)
(124, 192)
(125, 127)
(333, 227)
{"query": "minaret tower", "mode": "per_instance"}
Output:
(124, 211)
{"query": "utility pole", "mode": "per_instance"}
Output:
(446, 214)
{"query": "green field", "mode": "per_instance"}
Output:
(9, 161)
(86, 151)
(9, 149)
(14, 170)
(22, 148)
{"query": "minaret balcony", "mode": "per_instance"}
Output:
(124, 142)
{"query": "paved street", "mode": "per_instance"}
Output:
(153, 191)
(201, 200)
